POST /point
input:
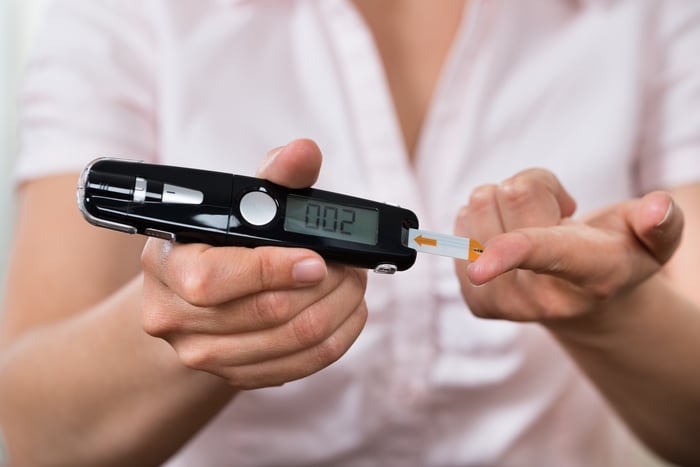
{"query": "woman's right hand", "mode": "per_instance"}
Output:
(255, 317)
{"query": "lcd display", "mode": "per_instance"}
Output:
(323, 219)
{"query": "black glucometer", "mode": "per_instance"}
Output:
(192, 205)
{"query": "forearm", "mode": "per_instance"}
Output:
(97, 390)
(641, 352)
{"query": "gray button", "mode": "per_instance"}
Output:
(160, 234)
(258, 208)
(173, 194)
(140, 189)
(385, 269)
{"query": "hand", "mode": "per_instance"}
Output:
(255, 317)
(539, 264)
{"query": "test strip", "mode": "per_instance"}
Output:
(444, 244)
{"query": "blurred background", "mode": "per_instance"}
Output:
(19, 20)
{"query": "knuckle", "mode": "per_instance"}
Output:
(149, 256)
(157, 322)
(146, 260)
(195, 285)
(354, 284)
(545, 178)
(360, 277)
(266, 268)
(482, 196)
(195, 357)
(309, 329)
(329, 351)
(272, 308)
(516, 190)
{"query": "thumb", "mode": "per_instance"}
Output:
(295, 165)
(658, 224)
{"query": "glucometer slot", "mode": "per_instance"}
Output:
(405, 225)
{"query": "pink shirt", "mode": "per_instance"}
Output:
(605, 93)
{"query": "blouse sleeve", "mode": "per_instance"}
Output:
(670, 152)
(88, 89)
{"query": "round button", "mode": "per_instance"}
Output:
(258, 208)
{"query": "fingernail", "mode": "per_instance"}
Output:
(309, 271)
(667, 216)
(271, 156)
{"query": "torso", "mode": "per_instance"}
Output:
(414, 38)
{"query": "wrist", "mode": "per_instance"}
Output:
(616, 316)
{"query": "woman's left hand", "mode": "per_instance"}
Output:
(539, 264)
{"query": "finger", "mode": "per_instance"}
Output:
(533, 198)
(581, 255)
(307, 329)
(480, 218)
(201, 356)
(303, 363)
(274, 309)
(658, 223)
(168, 315)
(295, 165)
(207, 276)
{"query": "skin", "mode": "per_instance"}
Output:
(216, 310)
(287, 320)
(174, 332)
(412, 62)
(608, 287)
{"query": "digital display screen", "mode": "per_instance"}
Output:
(323, 219)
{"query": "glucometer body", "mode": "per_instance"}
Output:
(192, 205)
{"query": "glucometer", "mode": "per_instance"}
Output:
(193, 205)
